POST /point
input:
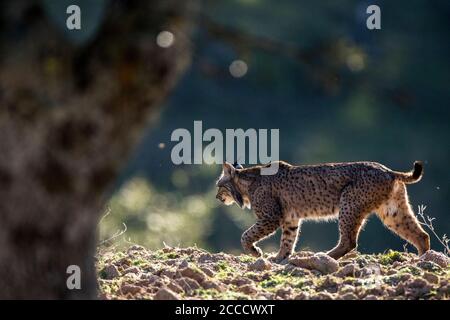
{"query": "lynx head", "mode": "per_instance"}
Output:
(228, 193)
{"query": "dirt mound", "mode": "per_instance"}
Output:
(192, 273)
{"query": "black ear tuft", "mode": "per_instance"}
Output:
(237, 165)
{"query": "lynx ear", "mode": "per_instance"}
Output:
(228, 169)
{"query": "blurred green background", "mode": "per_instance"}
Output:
(336, 90)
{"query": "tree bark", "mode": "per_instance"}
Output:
(69, 116)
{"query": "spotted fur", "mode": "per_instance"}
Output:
(347, 191)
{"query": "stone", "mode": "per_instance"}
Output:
(135, 247)
(241, 281)
(210, 284)
(133, 269)
(110, 272)
(165, 294)
(437, 257)
(188, 285)
(349, 296)
(283, 293)
(207, 271)
(260, 264)
(193, 273)
(175, 287)
(349, 270)
(130, 289)
(319, 261)
(247, 289)
(431, 277)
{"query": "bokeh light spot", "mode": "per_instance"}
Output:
(165, 39)
(355, 62)
(238, 68)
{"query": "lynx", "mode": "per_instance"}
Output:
(347, 191)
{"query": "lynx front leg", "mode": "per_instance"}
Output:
(257, 232)
(288, 239)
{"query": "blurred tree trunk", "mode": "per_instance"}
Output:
(69, 116)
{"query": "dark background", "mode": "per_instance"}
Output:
(336, 90)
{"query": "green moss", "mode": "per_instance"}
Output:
(109, 287)
(207, 293)
(161, 255)
(410, 270)
(224, 269)
(139, 262)
(275, 281)
(223, 266)
(102, 274)
(392, 280)
(246, 259)
(390, 257)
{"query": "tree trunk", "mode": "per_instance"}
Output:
(69, 116)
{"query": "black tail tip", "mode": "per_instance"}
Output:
(418, 169)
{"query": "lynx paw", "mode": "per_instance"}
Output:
(256, 251)
(279, 259)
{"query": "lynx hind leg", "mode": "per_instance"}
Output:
(398, 216)
(260, 230)
(350, 224)
(353, 211)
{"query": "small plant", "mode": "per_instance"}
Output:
(427, 221)
(390, 257)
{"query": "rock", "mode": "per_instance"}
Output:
(183, 264)
(349, 296)
(130, 289)
(284, 293)
(135, 247)
(248, 289)
(417, 283)
(405, 277)
(123, 262)
(437, 257)
(346, 289)
(302, 296)
(416, 288)
(207, 271)
(170, 273)
(241, 281)
(175, 287)
(320, 261)
(134, 270)
(322, 296)
(260, 264)
(349, 270)
(167, 249)
(370, 270)
(429, 266)
(331, 284)
(431, 277)
(188, 285)
(391, 272)
(444, 290)
(296, 271)
(110, 272)
(151, 277)
(193, 273)
(165, 294)
(370, 297)
(210, 284)
(206, 257)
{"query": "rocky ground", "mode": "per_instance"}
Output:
(192, 273)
